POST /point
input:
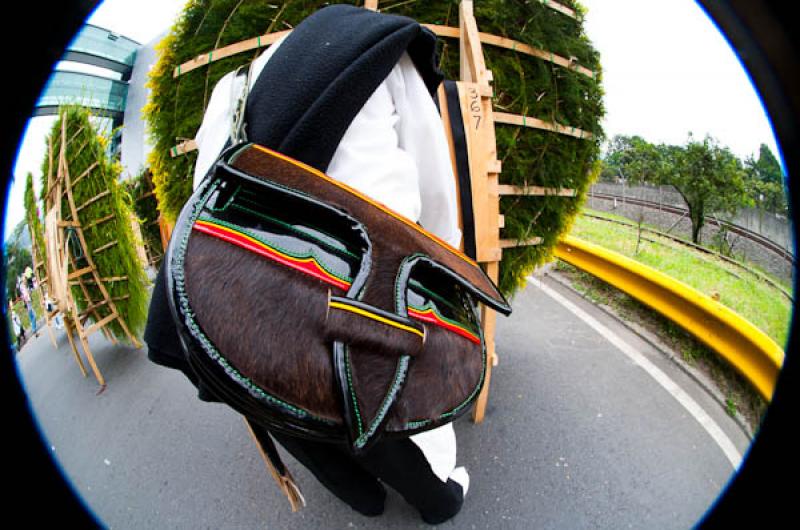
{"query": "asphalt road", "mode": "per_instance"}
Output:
(577, 435)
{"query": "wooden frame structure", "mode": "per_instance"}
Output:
(41, 280)
(62, 269)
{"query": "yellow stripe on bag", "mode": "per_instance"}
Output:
(373, 316)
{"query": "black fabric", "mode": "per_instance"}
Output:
(462, 168)
(359, 480)
(309, 92)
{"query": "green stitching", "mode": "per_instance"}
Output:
(422, 423)
(353, 393)
(416, 285)
(448, 320)
(297, 230)
(388, 400)
(397, 304)
(180, 283)
(228, 202)
(273, 246)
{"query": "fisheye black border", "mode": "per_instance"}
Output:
(765, 37)
(767, 44)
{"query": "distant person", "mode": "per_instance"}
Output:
(50, 306)
(19, 329)
(29, 277)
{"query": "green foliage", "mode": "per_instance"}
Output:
(523, 85)
(120, 261)
(145, 205)
(633, 159)
(765, 182)
(708, 176)
(34, 219)
(17, 258)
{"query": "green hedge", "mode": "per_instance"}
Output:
(523, 85)
(140, 189)
(34, 220)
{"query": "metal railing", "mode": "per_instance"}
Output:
(748, 349)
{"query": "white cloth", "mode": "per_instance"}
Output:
(395, 151)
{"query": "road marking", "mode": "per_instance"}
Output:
(705, 421)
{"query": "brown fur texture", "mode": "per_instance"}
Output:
(268, 321)
(440, 379)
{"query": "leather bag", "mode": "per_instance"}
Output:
(318, 312)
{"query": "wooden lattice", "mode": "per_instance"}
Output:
(64, 236)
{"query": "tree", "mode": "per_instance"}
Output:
(633, 159)
(765, 181)
(17, 258)
(708, 176)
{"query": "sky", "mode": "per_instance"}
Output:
(667, 72)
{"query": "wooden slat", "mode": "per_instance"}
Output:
(535, 123)
(514, 45)
(98, 325)
(99, 221)
(440, 30)
(85, 173)
(227, 51)
(535, 191)
(489, 323)
(92, 307)
(513, 243)
(104, 279)
(105, 247)
(93, 200)
(182, 148)
(80, 272)
(560, 8)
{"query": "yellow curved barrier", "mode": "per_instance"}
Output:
(744, 346)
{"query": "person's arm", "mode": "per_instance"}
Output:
(215, 129)
(421, 134)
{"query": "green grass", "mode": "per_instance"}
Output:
(743, 292)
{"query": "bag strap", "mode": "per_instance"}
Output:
(302, 108)
(238, 132)
(278, 470)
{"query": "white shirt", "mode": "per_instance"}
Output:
(395, 151)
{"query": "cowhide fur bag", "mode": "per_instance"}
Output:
(318, 312)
